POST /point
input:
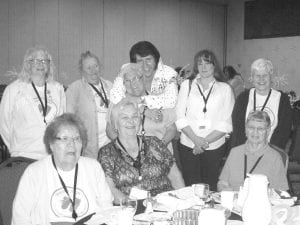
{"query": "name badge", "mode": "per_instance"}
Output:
(205, 124)
(136, 193)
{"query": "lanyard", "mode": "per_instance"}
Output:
(74, 214)
(136, 162)
(205, 99)
(143, 123)
(103, 97)
(265, 103)
(44, 107)
(254, 166)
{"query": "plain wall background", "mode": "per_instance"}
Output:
(108, 28)
(283, 52)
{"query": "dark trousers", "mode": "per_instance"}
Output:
(202, 168)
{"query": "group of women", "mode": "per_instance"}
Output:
(127, 126)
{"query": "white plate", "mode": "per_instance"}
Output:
(234, 222)
(154, 216)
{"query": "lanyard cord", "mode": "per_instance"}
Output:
(254, 166)
(44, 107)
(265, 103)
(205, 99)
(136, 162)
(104, 98)
(143, 123)
(74, 214)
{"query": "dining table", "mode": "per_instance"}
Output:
(161, 216)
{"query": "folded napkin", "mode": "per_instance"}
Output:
(174, 203)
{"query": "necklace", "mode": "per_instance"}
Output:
(137, 164)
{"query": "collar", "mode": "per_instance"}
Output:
(159, 69)
(257, 153)
(209, 84)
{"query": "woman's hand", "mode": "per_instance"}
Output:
(197, 151)
(200, 143)
(154, 114)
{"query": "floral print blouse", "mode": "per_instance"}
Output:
(156, 161)
(164, 89)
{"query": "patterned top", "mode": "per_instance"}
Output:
(164, 89)
(156, 162)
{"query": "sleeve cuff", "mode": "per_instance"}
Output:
(181, 123)
(224, 127)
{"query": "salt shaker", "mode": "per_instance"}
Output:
(149, 207)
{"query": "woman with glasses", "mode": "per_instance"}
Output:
(89, 98)
(159, 79)
(63, 187)
(163, 126)
(203, 111)
(255, 156)
(29, 104)
(265, 98)
(132, 160)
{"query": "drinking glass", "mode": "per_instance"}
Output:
(201, 191)
(129, 204)
(185, 217)
(128, 209)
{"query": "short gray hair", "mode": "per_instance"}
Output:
(84, 56)
(260, 116)
(66, 119)
(262, 64)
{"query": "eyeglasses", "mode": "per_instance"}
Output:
(67, 140)
(40, 61)
(133, 80)
(259, 129)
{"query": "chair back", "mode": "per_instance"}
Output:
(283, 154)
(295, 147)
(11, 171)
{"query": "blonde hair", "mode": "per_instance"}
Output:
(115, 110)
(130, 68)
(25, 73)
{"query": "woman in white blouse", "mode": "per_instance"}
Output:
(203, 111)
